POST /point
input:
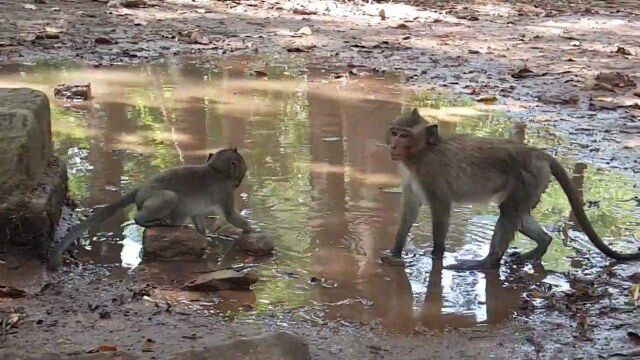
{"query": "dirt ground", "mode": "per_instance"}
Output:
(538, 60)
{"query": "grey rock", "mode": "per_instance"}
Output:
(173, 243)
(33, 182)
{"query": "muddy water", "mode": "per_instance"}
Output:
(320, 183)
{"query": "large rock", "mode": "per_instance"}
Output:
(173, 243)
(33, 182)
(279, 346)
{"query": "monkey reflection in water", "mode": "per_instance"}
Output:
(451, 299)
(467, 169)
(189, 192)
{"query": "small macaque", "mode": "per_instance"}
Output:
(174, 196)
(467, 169)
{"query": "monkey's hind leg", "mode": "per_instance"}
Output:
(530, 228)
(503, 234)
(156, 209)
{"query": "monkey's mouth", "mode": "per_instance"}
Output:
(396, 155)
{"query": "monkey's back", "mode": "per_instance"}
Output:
(478, 169)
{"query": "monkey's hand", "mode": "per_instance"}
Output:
(393, 260)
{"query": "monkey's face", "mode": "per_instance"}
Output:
(402, 143)
(230, 163)
(405, 143)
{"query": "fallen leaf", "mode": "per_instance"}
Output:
(382, 14)
(53, 30)
(197, 38)
(522, 73)
(260, 74)
(635, 294)
(626, 353)
(107, 348)
(488, 99)
(12, 320)
(614, 79)
(299, 11)
(300, 48)
(102, 40)
(305, 30)
(148, 345)
(221, 280)
(623, 51)
(11, 292)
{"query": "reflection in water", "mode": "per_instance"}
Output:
(316, 168)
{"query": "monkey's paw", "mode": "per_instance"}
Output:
(392, 260)
(483, 264)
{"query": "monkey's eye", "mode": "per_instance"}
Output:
(394, 133)
(404, 136)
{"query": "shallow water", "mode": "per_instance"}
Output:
(320, 182)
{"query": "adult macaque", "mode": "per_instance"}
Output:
(463, 169)
(174, 195)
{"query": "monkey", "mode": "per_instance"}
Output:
(174, 195)
(468, 169)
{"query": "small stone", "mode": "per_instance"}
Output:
(173, 243)
(222, 280)
(256, 244)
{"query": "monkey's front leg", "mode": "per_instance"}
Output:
(235, 219)
(440, 213)
(410, 210)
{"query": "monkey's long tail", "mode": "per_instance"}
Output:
(578, 210)
(96, 218)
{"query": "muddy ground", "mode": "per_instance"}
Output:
(539, 61)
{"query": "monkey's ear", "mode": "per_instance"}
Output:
(415, 113)
(209, 157)
(235, 149)
(432, 136)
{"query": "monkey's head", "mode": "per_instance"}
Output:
(409, 134)
(230, 163)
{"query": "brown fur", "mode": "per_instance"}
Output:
(464, 168)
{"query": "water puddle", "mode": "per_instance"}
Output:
(320, 183)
